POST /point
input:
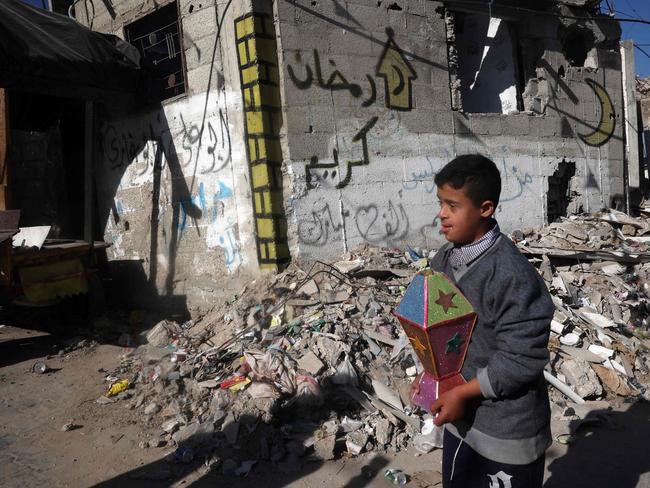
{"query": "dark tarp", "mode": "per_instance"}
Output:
(52, 54)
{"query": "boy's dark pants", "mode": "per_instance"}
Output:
(471, 470)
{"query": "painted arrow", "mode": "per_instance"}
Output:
(398, 74)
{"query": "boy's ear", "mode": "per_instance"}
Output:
(487, 209)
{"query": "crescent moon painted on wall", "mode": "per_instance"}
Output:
(607, 123)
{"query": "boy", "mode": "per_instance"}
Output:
(497, 425)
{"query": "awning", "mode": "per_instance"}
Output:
(52, 54)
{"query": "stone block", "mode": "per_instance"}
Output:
(200, 23)
(516, 125)
(582, 378)
(486, 124)
(303, 146)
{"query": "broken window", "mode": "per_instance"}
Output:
(487, 64)
(158, 38)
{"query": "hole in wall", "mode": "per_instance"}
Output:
(560, 197)
(560, 72)
(576, 45)
(311, 129)
(394, 6)
(191, 9)
(487, 66)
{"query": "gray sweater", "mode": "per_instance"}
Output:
(507, 353)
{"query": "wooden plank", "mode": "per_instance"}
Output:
(58, 251)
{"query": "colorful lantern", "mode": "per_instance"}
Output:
(439, 321)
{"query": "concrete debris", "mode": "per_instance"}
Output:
(582, 378)
(597, 267)
(325, 440)
(383, 432)
(161, 334)
(152, 409)
(311, 361)
(356, 441)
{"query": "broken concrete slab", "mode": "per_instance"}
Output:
(311, 363)
(582, 378)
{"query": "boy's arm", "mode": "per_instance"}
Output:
(523, 315)
(451, 405)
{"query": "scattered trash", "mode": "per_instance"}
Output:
(117, 387)
(395, 477)
(70, 426)
(39, 367)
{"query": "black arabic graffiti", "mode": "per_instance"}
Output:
(215, 157)
(123, 147)
(335, 82)
(388, 224)
(314, 164)
(393, 67)
(316, 230)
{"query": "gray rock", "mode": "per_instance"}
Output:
(152, 409)
(157, 442)
(161, 334)
(383, 432)
(103, 400)
(356, 442)
(581, 378)
(187, 432)
(170, 426)
(311, 363)
(325, 440)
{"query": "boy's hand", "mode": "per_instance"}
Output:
(451, 405)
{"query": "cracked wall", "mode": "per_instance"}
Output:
(361, 163)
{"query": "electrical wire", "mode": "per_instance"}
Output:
(551, 14)
(638, 16)
(642, 50)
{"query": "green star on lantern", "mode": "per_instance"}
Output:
(453, 344)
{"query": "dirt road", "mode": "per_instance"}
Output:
(103, 449)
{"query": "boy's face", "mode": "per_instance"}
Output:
(462, 221)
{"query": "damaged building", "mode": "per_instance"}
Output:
(300, 129)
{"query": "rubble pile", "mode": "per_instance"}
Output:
(311, 362)
(597, 268)
(304, 363)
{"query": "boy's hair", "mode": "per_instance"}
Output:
(477, 175)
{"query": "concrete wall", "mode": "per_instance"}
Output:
(172, 180)
(338, 100)
(324, 124)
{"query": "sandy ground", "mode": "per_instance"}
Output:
(104, 450)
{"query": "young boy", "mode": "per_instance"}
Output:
(498, 423)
